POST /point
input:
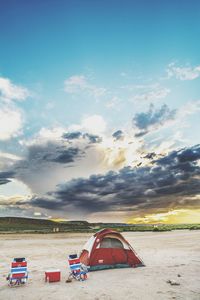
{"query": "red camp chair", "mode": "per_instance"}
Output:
(77, 270)
(18, 274)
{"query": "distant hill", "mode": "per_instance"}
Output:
(10, 221)
(25, 225)
(17, 224)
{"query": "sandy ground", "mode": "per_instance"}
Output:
(165, 254)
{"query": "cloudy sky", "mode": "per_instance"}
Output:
(100, 110)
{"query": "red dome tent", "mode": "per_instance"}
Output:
(109, 249)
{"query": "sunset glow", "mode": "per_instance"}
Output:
(177, 216)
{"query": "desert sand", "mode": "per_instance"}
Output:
(167, 256)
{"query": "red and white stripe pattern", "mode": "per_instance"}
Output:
(74, 264)
(18, 270)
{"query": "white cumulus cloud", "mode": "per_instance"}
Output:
(183, 73)
(11, 117)
(11, 122)
(10, 91)
(94, 124)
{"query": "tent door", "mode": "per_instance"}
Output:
(119, 256)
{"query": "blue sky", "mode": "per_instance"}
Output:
(94, 67)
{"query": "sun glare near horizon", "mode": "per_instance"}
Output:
(177, 216)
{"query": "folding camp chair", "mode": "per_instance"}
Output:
(18, 274)
(77, 270)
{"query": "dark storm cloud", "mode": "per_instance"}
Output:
(189, 154)
(168, 183)
(118, 135)
(150, 155)
(44, 164)
(4, 181)
(45, 202)
(93, 139)
(183, 156)
(51, 152)
(72, 135)
(5, 177)
(66, 156)
(153, 118)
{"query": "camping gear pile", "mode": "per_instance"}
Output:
(106, 249)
